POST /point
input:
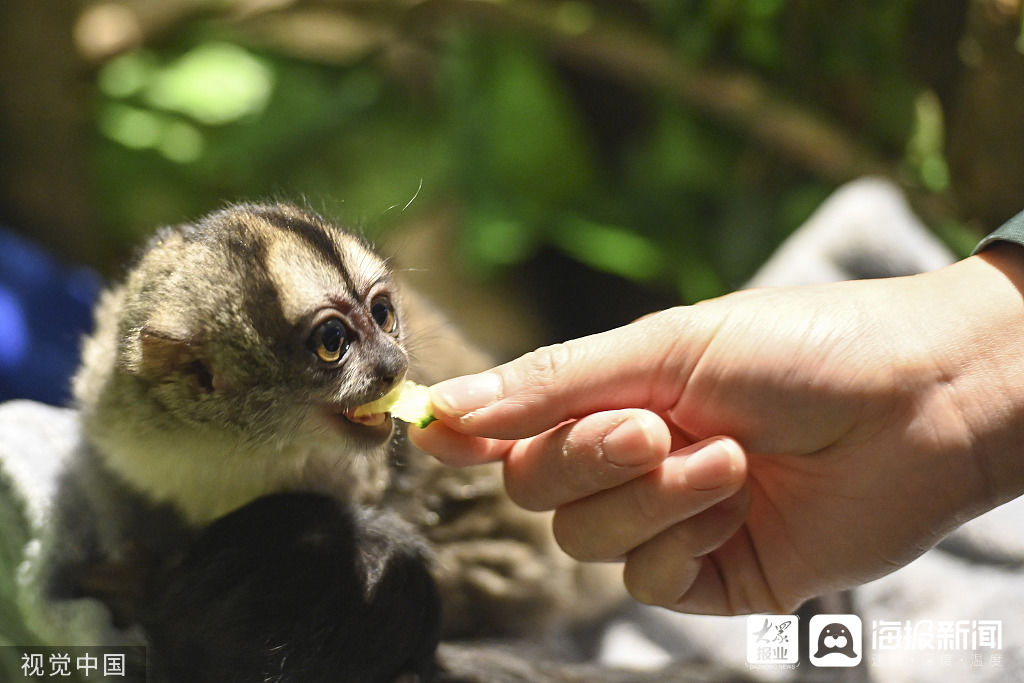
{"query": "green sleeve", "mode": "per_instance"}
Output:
(1010, 231)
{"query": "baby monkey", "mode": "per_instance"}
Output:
(227, 367)
(228, 364)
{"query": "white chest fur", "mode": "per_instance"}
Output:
(209, 473)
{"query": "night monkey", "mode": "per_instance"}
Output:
(228, 367)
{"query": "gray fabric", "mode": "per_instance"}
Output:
(37, 443)
(864, 230)
(1010, 231)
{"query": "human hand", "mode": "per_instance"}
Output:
(861, 421)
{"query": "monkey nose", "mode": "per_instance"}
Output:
(391, 372)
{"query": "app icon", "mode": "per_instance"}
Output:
(835, 640)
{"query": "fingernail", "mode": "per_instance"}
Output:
(712, 467)
(628, 444)
(460, 396)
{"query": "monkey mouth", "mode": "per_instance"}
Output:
(368, 420)
(371, 426)
(369, 430)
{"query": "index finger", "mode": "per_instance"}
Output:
(642, 365)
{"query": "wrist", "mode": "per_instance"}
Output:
(982, 298)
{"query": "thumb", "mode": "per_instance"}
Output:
(641, 365)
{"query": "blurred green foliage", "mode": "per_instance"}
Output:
(536, 153)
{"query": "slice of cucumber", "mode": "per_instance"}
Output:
(409, 402)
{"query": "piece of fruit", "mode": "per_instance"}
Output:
(409, 402)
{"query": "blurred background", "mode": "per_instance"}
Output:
(544, 169)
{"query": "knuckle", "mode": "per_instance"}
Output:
(544, 367)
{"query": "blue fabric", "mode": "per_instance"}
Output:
(45, 308)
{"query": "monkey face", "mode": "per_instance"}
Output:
(300, 325)
(239, 349)
(359, 357)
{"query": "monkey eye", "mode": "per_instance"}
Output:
(384, 314)
(329, 341)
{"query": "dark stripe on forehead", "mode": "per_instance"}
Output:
(231, 234)
(311, 231)
(247, 253)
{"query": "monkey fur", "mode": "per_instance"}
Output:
(296, 588)
(215, 398)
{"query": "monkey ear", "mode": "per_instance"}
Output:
(164, 351)
(167, 355)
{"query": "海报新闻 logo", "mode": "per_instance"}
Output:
(835, 640)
